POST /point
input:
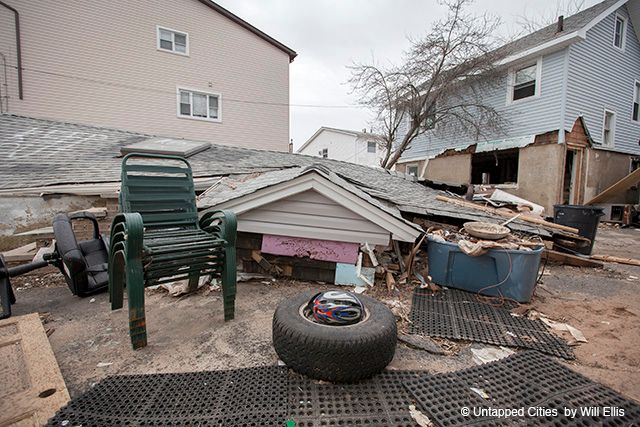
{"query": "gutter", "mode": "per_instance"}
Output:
(18, 47)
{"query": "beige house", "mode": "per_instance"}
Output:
(182, 68)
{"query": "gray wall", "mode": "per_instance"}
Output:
(601, 76)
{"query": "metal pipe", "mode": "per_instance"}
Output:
(18, 47)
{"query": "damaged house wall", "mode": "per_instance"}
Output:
(19, 213)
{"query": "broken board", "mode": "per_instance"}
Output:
(32, 388)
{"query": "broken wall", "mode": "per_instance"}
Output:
(453, 169)
(22, 213)
(605, 168)
(540, 175)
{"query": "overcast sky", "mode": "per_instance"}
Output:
(331, 34)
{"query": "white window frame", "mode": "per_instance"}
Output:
(413, 165)
(199, 92)
(173, 41)
(375, 147)
(636, 95)
(511, 81)
(322, 153)
(612, 129)
(625, 24)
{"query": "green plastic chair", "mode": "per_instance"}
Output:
(157, 237)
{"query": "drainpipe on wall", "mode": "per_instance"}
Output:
(561, 133)
(18, 48)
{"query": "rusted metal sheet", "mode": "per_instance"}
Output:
(31, 386)
(324, 250)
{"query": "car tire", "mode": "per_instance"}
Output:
(334, 353)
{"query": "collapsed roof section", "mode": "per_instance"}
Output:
(43, 156)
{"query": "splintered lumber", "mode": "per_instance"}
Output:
(568, 259)
(628, 181)
(21, 254)
(618, 260)
(533, 220)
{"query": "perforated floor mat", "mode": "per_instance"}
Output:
(263, 396)
(459, 315)
(241, 397)
(524, 380)
(380, 401)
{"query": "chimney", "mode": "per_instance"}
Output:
(364, 130)
(291, 146)
(560, 24)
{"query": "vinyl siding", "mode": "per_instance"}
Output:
(314, 216)
(96, 62)
(601, 76)
(526, 117)
(341, 146)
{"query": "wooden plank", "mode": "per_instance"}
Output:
(628, 181)
(23, 253)
(618, 260)
(32, 389)
(568, 259)
(509, 214)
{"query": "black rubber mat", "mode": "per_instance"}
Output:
(457, 314)
(264, 396)
(524, 380)
(380, 401)
(241, 397)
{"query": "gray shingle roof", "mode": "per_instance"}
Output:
(38, 152)
(571, 23)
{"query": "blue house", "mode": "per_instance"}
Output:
(569, 94)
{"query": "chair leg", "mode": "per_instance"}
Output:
(116, 280)
(194, 279)
(135, 292)
(229, 283)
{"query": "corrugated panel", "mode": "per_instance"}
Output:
(312, 215)
(528, 117)
(601, 76)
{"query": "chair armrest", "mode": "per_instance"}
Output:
(127, 233)
(222, 223)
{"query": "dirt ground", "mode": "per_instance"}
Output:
(188, 333)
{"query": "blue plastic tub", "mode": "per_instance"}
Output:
(449, 266)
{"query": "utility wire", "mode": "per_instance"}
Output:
(226, 99)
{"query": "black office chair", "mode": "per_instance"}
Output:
(84, 264)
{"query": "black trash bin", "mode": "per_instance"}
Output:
(584, 218)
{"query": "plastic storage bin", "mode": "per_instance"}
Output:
(584, 218)
(517, 270)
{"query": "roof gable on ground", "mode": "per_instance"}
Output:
(275, 188)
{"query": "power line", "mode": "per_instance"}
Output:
(144, 89)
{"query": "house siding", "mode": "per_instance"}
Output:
(343, 146)
(96, 62)
(312, 215)
(601, 76)
(527, 117)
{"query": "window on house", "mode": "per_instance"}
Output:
(412, 170)
(198, 105)
(371, 147)
(524, 82)
(619, 32)
(608, 128)
(324, 153)
(636, 102)
(498, 167)
(173, 41)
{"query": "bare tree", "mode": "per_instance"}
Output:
(439, 84)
